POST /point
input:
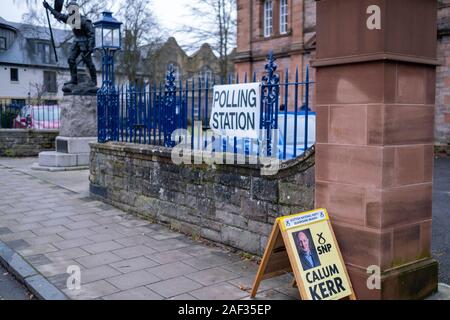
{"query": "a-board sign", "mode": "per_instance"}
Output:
(236, 110)
(305, 244)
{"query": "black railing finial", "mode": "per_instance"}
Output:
(271, 79)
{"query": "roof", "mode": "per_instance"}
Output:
(29, 31)
(22, 51)
(204, 49)
(5, 24)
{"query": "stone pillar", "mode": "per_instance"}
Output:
(374, 163)
(78, 127)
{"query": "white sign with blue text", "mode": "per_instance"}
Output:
(236, 110)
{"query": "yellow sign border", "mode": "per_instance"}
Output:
(283, 226)
(270, 268)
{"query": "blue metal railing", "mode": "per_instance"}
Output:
(150, 113)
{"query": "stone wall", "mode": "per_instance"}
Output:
(26, 143)
(230, 204)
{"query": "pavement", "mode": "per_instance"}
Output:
(441, 217)
(50, 220)
(54, 225)
(10, 288)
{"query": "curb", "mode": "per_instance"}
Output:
(443, 293)
(28, 276)
(37, 167)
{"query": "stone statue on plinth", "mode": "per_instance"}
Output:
(83, 45)
(78, 119)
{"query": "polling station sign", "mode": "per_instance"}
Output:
(306, 245)
(236, 110)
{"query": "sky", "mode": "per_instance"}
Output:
(171, 13)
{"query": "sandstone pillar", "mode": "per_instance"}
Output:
(375, 102)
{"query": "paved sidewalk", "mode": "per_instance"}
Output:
(10, 288)
(121, 257)
(50, 220)
(441, 217)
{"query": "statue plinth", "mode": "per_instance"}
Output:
(78, 127)
(78, 116)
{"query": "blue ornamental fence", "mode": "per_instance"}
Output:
(149, 114)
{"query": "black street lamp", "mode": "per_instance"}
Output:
(108, 40)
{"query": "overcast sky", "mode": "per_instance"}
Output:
(171, 13)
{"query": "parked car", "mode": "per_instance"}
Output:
(38, 117)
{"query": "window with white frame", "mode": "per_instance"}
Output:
(50, 82)
(283, 16)
(45, 53)
(268, 18)
(14, 75)
(206, 75)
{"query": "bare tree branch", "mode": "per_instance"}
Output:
(142, 34)
(216, 24)
(36, 14)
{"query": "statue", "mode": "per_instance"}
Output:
(84, 44)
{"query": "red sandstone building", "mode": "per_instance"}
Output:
(288, 28)
(284, 26)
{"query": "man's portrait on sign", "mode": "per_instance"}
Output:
(306, 249)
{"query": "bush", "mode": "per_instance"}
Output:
(7, 116)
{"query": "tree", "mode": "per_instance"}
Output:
(216, 22)
(39, 90)
(142, 34)
(88, 7)
(36, 13)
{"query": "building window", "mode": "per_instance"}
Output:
(50, 82)
(14, 74)
(268, 18)
(45, 53)
(2, 43)
(283, 16)
(51, 102)
(206, 75)
(18, 102)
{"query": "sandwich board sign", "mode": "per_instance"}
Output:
(236, 110)
(305, 244)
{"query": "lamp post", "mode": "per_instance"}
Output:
(108, 40)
